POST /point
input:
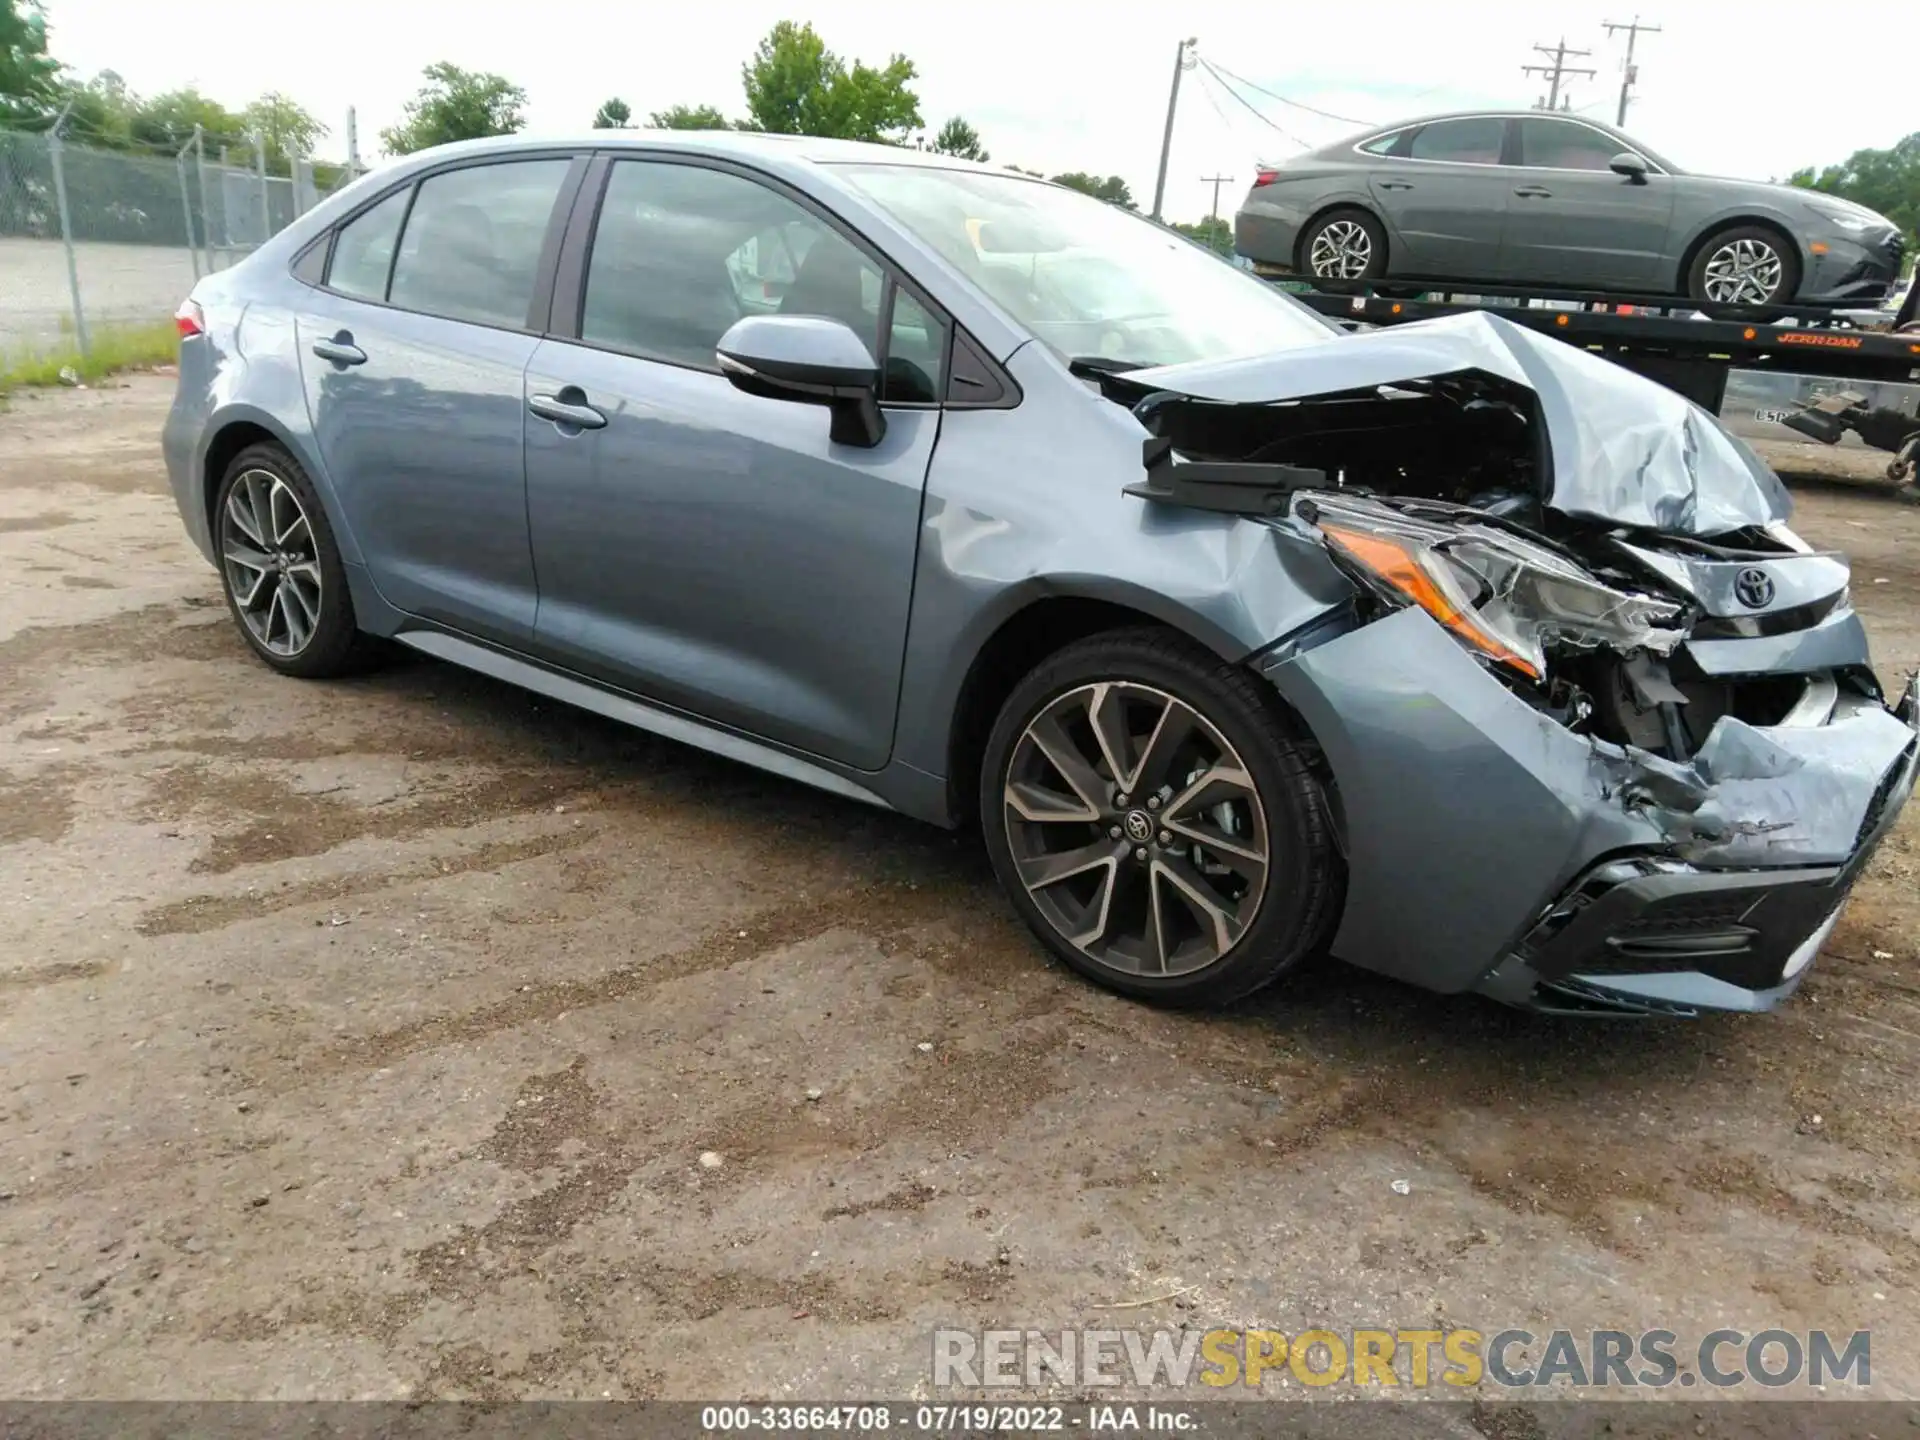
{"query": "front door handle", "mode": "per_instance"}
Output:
(1396, 184)
(569, 407)
(1533, 192)
(340, 350)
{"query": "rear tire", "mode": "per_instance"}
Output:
(280, 567)
(1743, 271)
(1343, 247)
(1213, 874)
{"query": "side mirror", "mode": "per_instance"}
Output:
(810, 359)
(1630, 165)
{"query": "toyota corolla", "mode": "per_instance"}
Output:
(1452, 650)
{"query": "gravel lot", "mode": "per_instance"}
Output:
(364, 1040)
(119, 285)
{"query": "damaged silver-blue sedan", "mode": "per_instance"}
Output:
(1466, 656)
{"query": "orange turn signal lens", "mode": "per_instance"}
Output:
(1398, 564)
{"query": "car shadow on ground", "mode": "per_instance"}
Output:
(1350, 1018)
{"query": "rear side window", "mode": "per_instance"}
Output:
(1563, 145)
(1474, 141)
(682, 252)
(472, 245)
(363, 250)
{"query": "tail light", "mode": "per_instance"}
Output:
(1265, 177)
(190, 319)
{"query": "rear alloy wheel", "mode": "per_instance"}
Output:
(1744, 268)
(284, 581)
(1344, 245)
(1155, 823)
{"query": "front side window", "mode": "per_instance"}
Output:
(682, 252)
(363, 250)
(1563, 145)
(1087, 278)
(1473, 141)
(472, 245)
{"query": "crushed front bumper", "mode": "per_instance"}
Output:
(1490, 849)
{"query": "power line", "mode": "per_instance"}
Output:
(1297, 104)
(1252, 109)
(1629, 72)
(1556, 71)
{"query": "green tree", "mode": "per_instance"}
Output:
(29, 76)
(958, 138)
(1112, 189)
(612, 115)
(167, 121)
(1883, 180)
(99, 111)
(796, 86)
(1212, 232)
(688, 117)
(456, 104)
(286, 131)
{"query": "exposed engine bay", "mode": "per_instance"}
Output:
(1576, 533)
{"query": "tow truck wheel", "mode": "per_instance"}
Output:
(1743, 269)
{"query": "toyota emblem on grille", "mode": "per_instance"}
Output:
(1754, 589)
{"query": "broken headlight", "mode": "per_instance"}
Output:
(1503, 596)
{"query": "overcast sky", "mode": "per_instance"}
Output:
(1059, 85)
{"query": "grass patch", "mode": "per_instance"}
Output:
(113, 348)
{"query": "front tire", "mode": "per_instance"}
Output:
(1155, 822)
(1743, 269)
(1342, 247)
(280, 567)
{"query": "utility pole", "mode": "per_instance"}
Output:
(1628, 74)
(1183, 59)
(1556, 71)
(353, 144)
(1216, 181)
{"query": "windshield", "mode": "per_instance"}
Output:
(1089, 279)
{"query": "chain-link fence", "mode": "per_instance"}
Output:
(93, 240)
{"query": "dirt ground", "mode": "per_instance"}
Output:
(365, 1040)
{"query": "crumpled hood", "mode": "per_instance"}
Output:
(1622, 449)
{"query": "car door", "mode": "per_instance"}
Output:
(412, 351)
(1444, 194)
(1572, 221)
(712, 550)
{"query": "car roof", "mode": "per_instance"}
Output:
(768, 150)
(1492, 113)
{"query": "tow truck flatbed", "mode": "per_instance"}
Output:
(1660, 336)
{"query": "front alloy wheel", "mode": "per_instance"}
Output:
(1743, 271)
(272, 562)
(1136, 829)
(1153, 816)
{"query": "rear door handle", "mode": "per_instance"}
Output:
(1396, 184)
(1533, 192)
(569, 407)
(340, 350)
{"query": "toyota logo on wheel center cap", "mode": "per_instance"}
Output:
(1753, 588)
(1139, 826)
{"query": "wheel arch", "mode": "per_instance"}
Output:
(240, 426)
(1037, 621)
(1736, 221)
